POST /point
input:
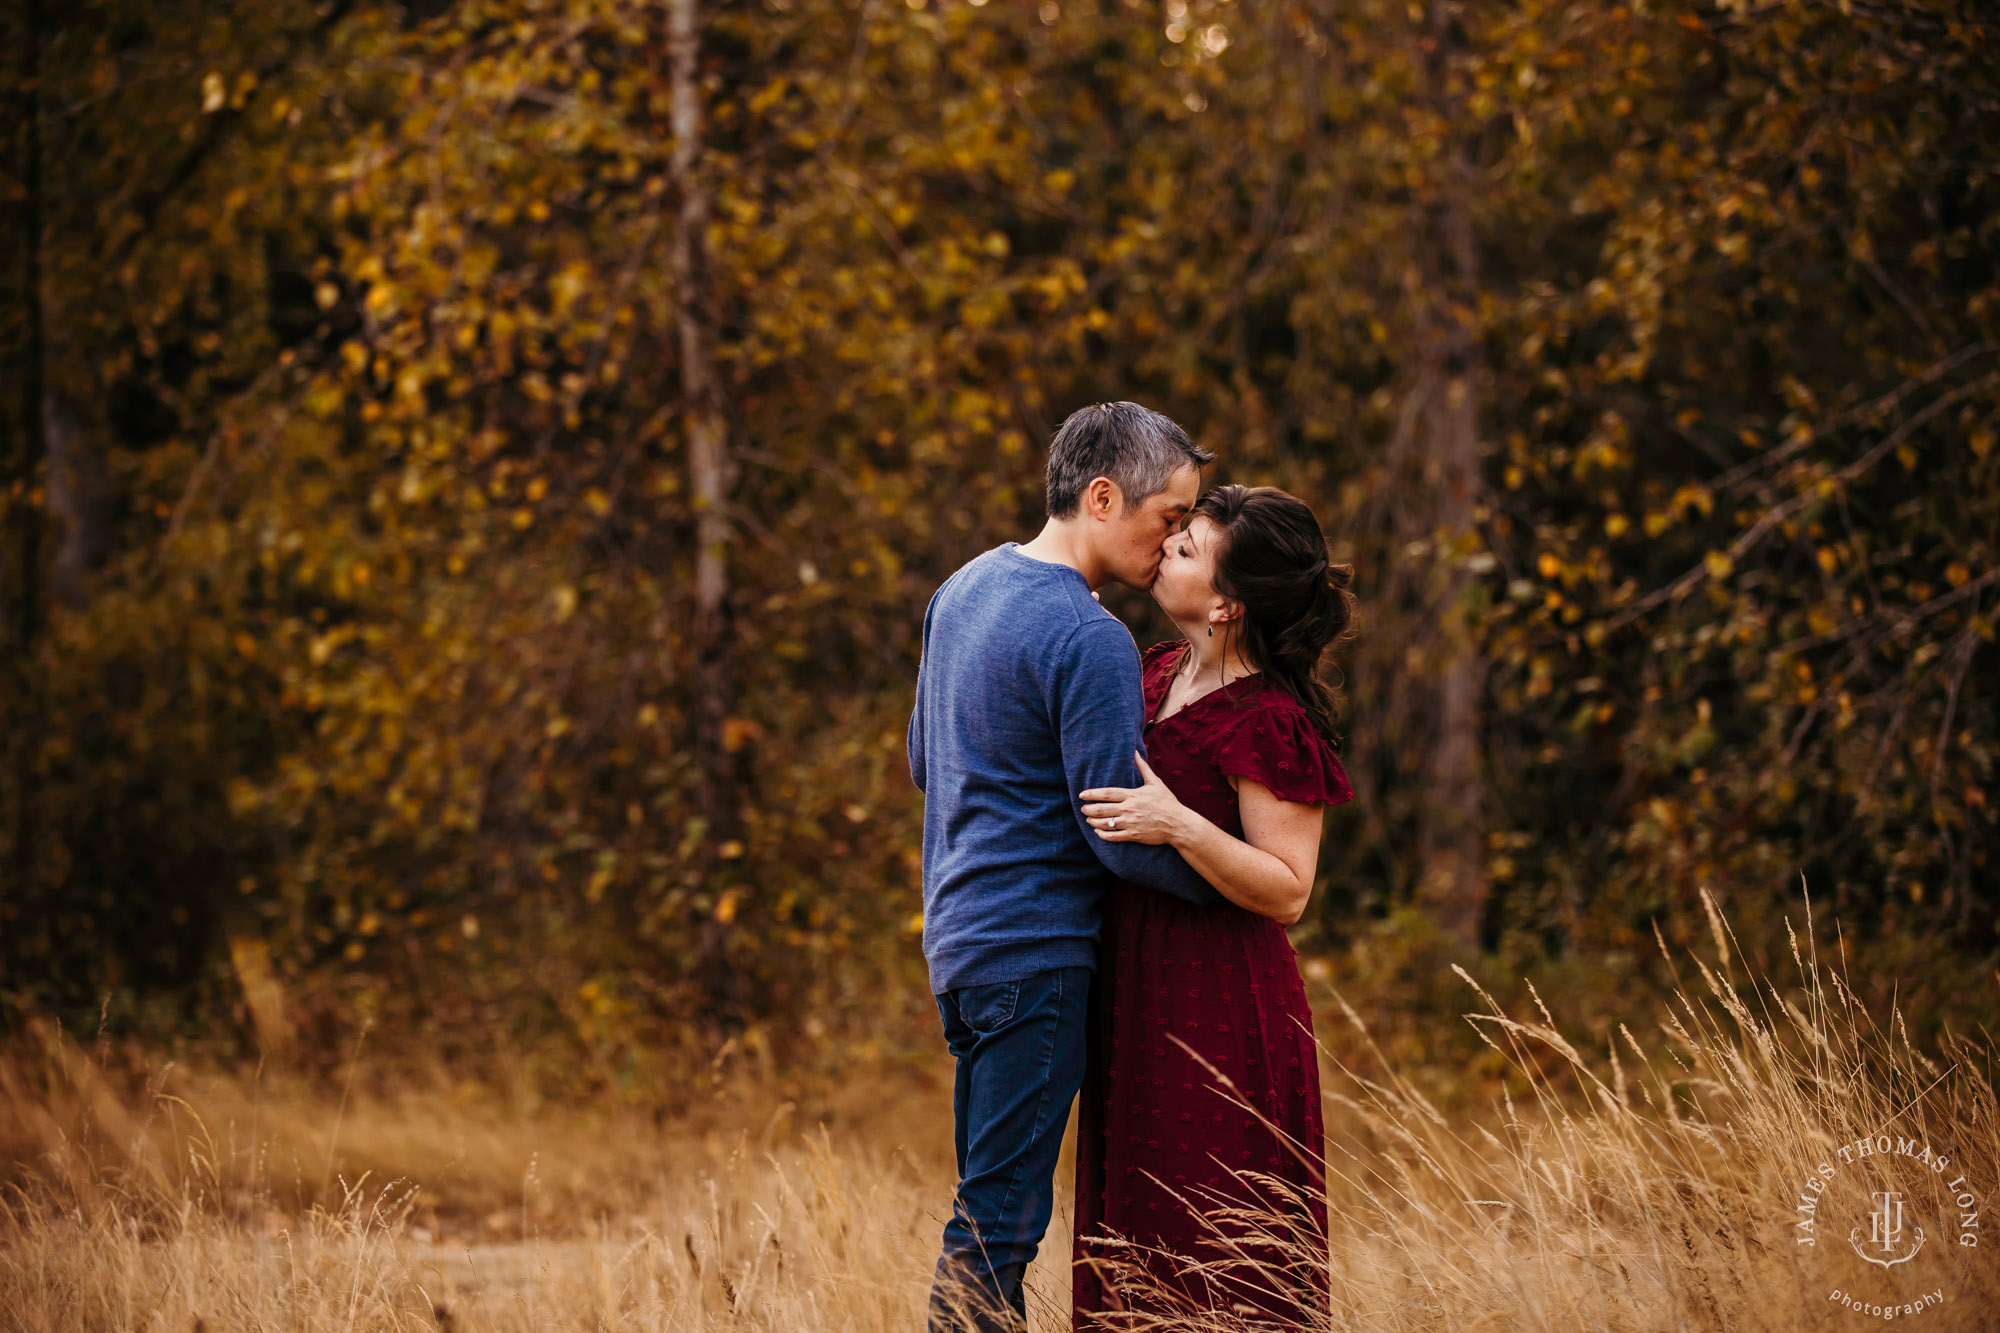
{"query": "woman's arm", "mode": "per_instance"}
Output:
(1268, 871)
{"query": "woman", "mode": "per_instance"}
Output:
(1209, 1152)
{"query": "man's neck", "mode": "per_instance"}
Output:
(1059, 543)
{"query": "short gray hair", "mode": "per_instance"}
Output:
(1136, 447)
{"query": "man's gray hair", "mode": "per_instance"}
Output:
(1135, 446)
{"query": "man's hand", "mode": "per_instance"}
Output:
(1149, 814)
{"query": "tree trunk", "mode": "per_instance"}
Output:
(77, 488)
(25, 622)
(710, 473)
(1445, 415)
(711, 479)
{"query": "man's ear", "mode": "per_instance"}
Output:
(1101, 498)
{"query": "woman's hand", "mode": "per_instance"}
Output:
(1148, 814)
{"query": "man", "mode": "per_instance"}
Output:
(1027, 694)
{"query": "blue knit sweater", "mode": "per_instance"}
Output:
(1028, 693)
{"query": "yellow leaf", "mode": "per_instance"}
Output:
(1692, 496)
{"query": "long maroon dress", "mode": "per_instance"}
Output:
(1160, 1137)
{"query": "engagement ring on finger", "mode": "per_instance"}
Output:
(1111, 824)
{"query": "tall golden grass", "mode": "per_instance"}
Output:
(1651, 1185)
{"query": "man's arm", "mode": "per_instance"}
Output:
(1100, 716)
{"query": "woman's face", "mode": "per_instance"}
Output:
(1185, 588)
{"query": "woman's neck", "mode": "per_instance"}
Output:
(1214, 660)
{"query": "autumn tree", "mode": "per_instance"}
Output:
(494, 459)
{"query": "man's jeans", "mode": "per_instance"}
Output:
(1020, 1051)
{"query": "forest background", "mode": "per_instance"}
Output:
(474, 474)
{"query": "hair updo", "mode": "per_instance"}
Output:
(1296, 604)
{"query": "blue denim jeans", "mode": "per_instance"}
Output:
(1020, 1051)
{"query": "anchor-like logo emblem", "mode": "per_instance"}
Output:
(1885, 1230)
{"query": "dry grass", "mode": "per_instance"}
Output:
(1651, 1186)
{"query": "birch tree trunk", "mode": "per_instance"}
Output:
(711, 480)
(710, 470)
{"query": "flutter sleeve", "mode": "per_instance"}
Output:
(1156, 671)
(1277, 744)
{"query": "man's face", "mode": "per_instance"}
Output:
(1131, 538)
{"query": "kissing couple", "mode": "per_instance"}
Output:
(1114, 843)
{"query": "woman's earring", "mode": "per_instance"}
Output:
(1211, 631)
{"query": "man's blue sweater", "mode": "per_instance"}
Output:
(1028, 693)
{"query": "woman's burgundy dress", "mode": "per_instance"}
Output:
(1155, 1123)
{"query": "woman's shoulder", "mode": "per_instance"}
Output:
(1275, 700)
(1272, 738)
(1268, 708)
